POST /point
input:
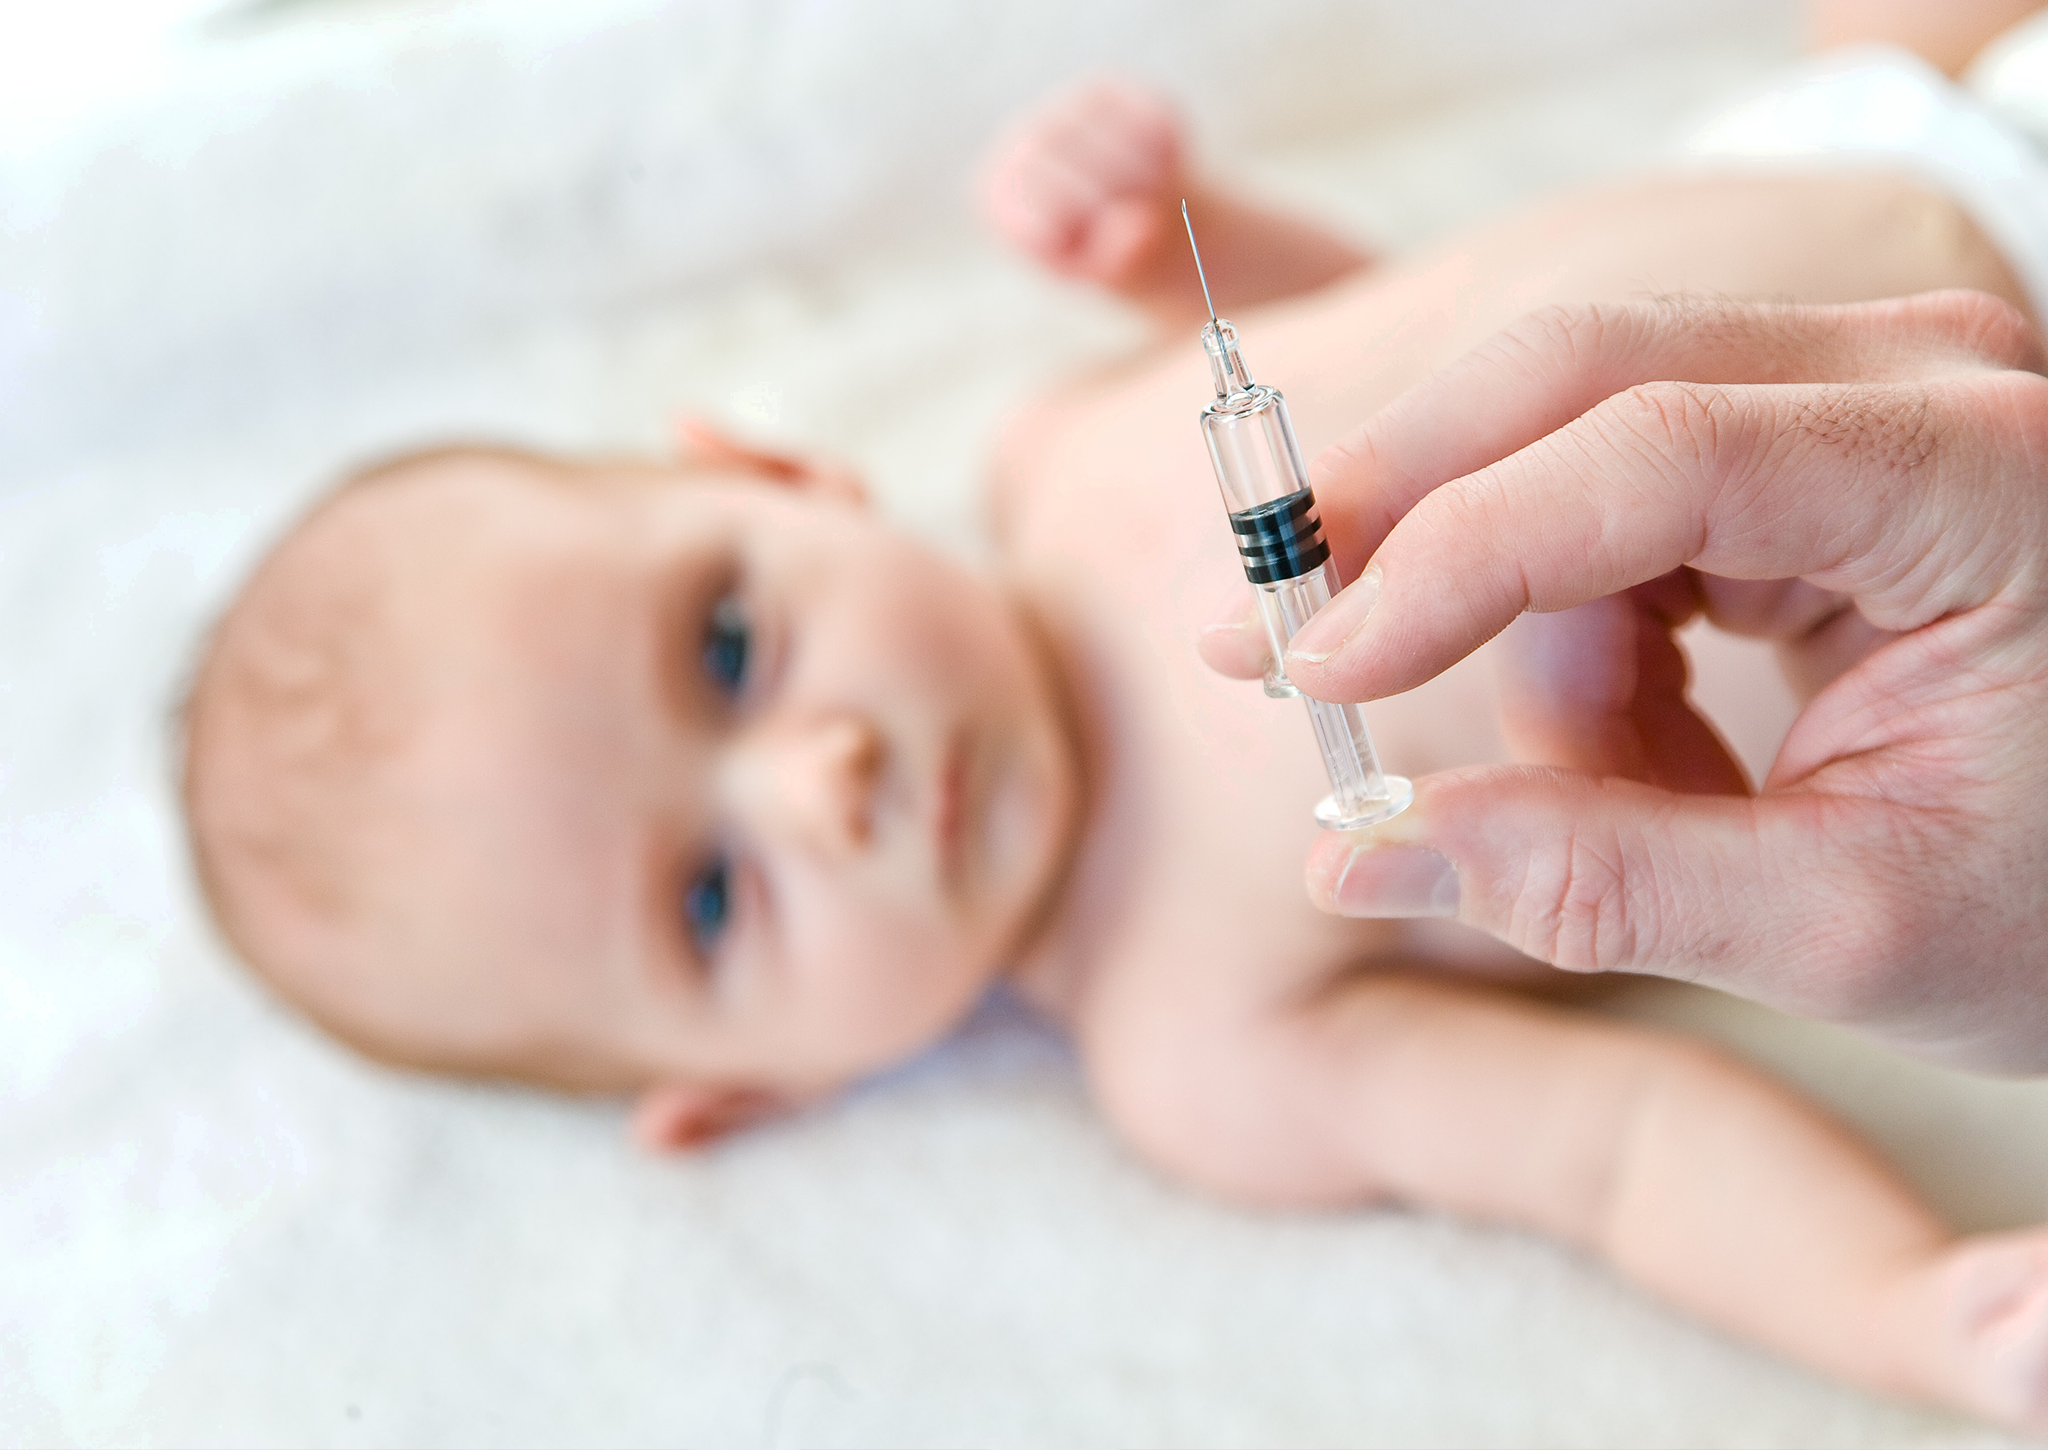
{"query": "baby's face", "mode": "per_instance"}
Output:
(710, 782)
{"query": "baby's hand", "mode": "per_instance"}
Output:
(1089, 184)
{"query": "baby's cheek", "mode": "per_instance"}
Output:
(948, 622)
(879, 988)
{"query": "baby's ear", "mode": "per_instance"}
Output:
(674, 1115)
(702, 441)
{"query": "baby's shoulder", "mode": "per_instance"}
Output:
(1198, 1061)
(1166, 1066)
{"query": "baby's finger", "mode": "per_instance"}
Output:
(1129, 147)
(1072, 189)
(1042, 203)
(1116, 239)
(1121, 104)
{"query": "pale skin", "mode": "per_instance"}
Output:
(923, 779)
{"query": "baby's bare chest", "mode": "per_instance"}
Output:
(1188, 877)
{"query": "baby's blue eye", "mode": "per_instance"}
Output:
(725, 645)
(707, 902)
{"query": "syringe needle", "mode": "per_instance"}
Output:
(1202, 276)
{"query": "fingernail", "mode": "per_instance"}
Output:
(1233, 627)
(1332, 629)
(1243, 640)
(1396, 881)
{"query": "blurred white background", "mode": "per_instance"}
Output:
(226, 207)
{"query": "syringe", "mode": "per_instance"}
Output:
(1280, 538)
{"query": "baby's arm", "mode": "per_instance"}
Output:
(1704, 1182)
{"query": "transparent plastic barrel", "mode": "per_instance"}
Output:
(1265, 489)
(1360, 793)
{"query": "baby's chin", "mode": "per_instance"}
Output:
(1028, 812)
(1026, 820)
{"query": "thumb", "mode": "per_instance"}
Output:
(1598, 874)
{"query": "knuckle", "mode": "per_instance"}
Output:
(1572, 908)
(2021, 398)
(1662, 409)
(1671, 430)
(1717, 322)
(1359, 489)
(1563, 335)
(1346, 463)
(1884, 431)
(1987, 327)
(1485, 504)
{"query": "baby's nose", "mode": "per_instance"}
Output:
(822, 781)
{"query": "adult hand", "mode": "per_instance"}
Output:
(1866, 485)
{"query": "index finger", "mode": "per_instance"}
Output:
(1915, 499)
(1559, 363)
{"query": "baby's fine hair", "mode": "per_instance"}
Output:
(299, 697)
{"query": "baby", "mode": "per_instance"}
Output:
(698, 783)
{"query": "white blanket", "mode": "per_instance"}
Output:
(328, 232)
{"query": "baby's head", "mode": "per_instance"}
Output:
(694, 783)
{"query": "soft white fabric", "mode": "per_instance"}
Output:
(2011, 77)
(288, 204)
(1880, 106)
(369, 229)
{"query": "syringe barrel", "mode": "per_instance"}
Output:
(1273, 514)
(1251, 441)
(1259, 468)
(1280, 542)
(1265, 485)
